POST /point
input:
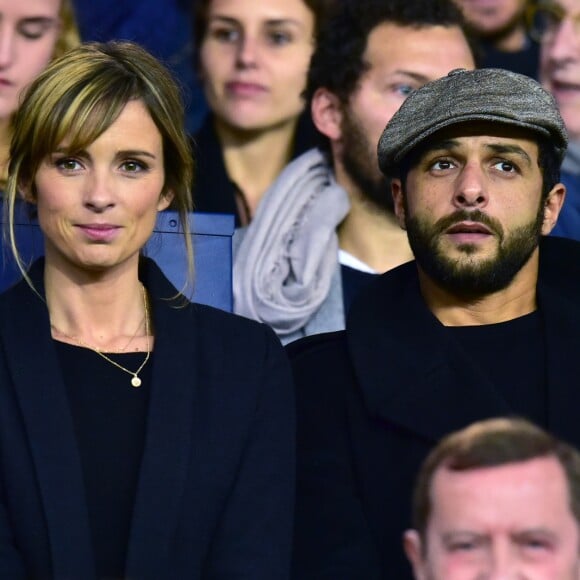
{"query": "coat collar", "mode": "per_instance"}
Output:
(25, 333)
(431, 386)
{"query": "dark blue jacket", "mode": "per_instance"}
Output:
(215, 492)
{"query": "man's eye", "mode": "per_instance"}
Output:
(404, 90)
(505, 166)
(534, 544)
(462, 546)
(442, 165)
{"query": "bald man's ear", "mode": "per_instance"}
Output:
(398, 201)
(414, 550)
(552, 207)
(326, 111)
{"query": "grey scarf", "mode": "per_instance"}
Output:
(285, 261)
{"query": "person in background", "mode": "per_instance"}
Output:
(141, 436)
(252, 58)
(327, 225)
(557, 24)
(32, 32)
(504, 41)
(497, 499)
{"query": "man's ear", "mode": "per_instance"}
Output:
(398, 202)
(326, 111)
(552, 207)
(414, 550)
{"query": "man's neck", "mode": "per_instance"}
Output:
(451, 309)
(373, 236)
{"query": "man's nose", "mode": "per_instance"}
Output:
(470, 188)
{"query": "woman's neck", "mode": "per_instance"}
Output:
(255, 159)
(103, 311)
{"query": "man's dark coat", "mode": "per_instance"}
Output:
(372, 400)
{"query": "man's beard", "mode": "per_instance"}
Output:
(467, 277)
(359, 159)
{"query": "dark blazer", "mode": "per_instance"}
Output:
(215, 492)
(372, 401)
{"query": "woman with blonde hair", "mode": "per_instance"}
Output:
(141, 436)
(32, 32)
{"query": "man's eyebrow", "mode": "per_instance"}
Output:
(497, 148)
(421, 78)
(541, 530)
(454, 535)
(440, 145)
(502, 149)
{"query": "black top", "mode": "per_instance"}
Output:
(109, 417)
(212, 190)
(512, 355)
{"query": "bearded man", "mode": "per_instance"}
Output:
(474, 328)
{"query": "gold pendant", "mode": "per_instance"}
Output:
(136, 381)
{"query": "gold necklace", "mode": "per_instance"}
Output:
(135, 381)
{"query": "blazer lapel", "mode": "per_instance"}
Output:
(32, 360)
(167, 449)
(410, 371)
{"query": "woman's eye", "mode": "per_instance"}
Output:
(279, 38)
(35, 29)
(67, 164)
(133, 166)
(226, 35)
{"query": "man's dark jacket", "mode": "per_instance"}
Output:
(372, 401)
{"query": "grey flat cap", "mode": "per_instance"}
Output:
(494, 95)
